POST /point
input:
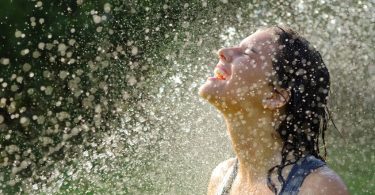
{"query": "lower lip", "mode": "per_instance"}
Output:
(213, 79)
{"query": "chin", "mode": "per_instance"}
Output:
(208, 90)
(212, 94)
(203, 91)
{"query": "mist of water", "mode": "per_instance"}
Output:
(140, 127)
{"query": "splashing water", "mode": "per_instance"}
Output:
(101, 97)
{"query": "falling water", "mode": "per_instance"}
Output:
(101, 97)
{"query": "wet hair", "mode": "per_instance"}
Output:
(299, 67)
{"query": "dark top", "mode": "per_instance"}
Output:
(297, 174)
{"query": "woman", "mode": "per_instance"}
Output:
(272, 90)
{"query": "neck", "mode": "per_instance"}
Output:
(256, 144)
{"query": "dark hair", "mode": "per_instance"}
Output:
(300, 68)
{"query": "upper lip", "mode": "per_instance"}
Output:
(221, 72)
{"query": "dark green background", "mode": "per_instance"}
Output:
(172, 38)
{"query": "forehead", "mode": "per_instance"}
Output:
(260, 37)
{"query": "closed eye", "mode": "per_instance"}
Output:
(250, 50)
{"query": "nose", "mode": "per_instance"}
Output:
(225, 54)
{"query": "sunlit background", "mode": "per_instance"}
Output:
(100, 96)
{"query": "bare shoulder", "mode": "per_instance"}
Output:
(324, 181)
(218, 174)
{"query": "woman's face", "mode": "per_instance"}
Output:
(243, 72)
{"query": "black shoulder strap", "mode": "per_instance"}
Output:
(299, 172)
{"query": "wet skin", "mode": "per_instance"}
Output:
(252, 109)
(249, 66)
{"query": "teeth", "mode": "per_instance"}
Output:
(220, 74)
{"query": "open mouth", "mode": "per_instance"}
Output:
(220, 74)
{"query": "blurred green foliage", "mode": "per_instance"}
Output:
(73, 65)
(70, 70)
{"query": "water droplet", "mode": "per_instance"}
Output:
(97, 19)
(107, 7)
(134, 51)
(4, 61)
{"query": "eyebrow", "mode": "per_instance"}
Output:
(252, 48)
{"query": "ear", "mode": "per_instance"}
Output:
(276, 99)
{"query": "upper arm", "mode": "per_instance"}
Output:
(217, 176)
(324, 181)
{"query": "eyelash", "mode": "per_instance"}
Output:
(251, 51)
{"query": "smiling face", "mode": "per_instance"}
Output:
(243, 73)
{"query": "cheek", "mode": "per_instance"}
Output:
(246, 82)
(246, 67)
(247, 92)
(247, 71)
